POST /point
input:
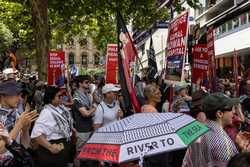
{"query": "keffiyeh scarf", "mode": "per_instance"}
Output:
(82, 98)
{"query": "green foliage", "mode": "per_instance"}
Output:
(18, 18)
(96, 18)
(6, 38)
(92, 18)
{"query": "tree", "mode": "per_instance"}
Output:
(6, 40)
(18, 19)
(41, 34)
(94, 18)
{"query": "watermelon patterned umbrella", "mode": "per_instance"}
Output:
(142, 135)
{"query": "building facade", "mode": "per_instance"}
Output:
(159, 33)
(82, 53)
(231, 22)
(142, 40)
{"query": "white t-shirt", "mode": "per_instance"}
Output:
(47, 125)
(106, 114)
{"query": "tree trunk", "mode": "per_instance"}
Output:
(41, 34)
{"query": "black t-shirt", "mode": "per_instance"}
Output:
(82, 124)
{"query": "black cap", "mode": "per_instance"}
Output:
(10, 88)
(218, 101)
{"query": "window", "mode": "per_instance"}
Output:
(229, 25)
(83, 42)
(236, 22)
(143, 49)
(71, 58)
(223, 28)
(219, 30)
(84, 59)
(70, 42)
(243, 19)
(216, 32)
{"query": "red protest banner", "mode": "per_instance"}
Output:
(211, 56)
(236, 73)
(200, 64)
(56, 60)
(111, 64)
(176, 49)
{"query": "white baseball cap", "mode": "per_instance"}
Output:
(9, 71)
(110, 88)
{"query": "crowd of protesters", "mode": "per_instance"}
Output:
(226, 116)
(44, 126)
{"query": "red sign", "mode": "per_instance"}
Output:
(111, 64)
(56, 60)
(211, 55)
(102, 152)
(200, 64)
(176, 49)
(236, 73)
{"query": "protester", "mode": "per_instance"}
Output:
(196, 107)
(12, 154)
(83, 112)
(9, 74)
(11, 61)
(247, 74)
(240, 160)
(245, 103)
(216, 147)
(67, 99)
(245, 90)
(53, 130)
(97, 95)
(246, 112)
(61, 80)
(10, 97)
(108, 110)
(126, 110)
(139, 89)
(181, 102)
(32, 84)
(165, 106)
(38, 96)
(23, 101)
(238, 120)
(152, 96)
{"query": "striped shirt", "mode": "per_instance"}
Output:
(215, 147)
